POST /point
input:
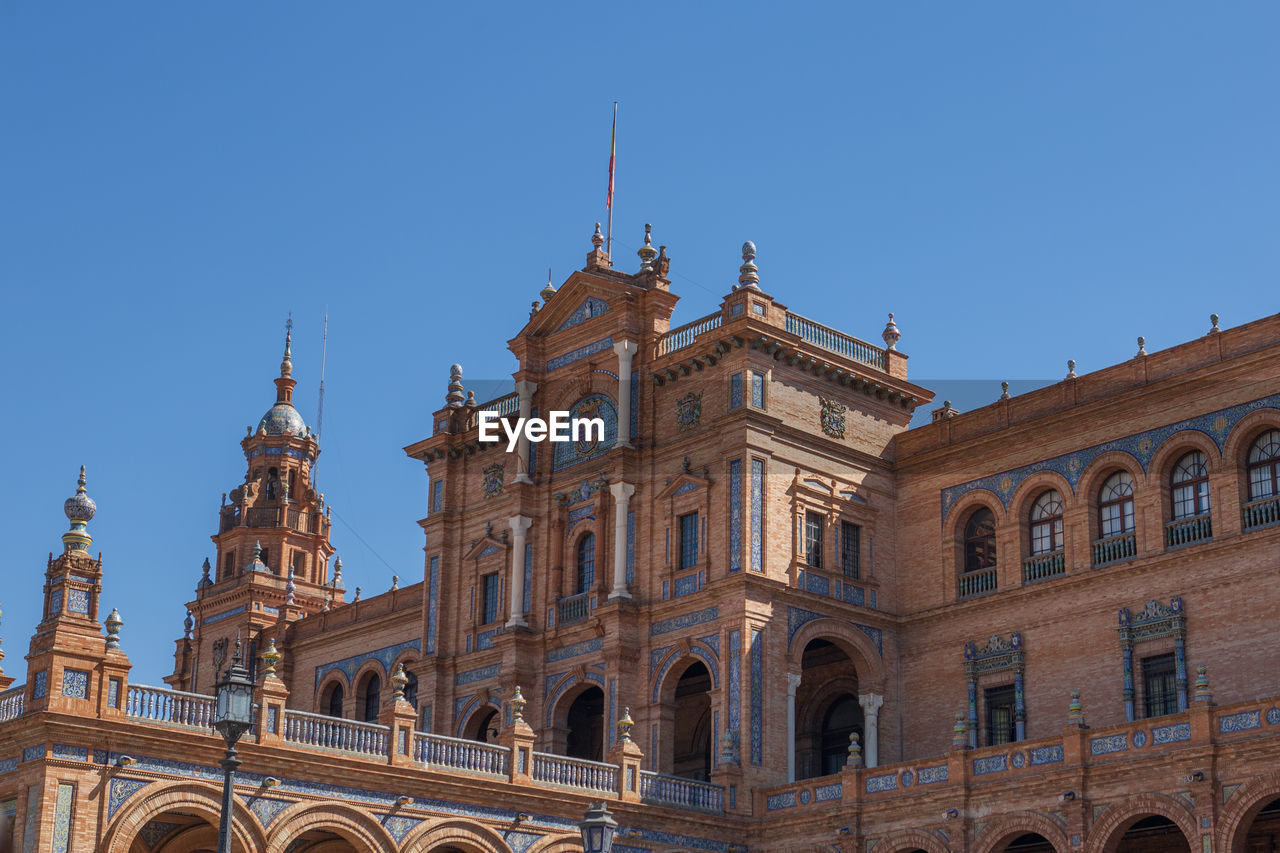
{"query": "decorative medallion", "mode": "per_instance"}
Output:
(833, 417)
(493, 480)
(689, 410)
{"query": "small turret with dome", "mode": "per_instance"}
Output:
(283, 418)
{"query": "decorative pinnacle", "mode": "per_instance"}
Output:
(286, 366)
(517, 706)
(205, 580)
(289, 589)
(597, 239)
(271, 657)
(1142, 346)
(1004, 390)
(357, 598)
(891, 334)
(453, 399)
(337, 575)
(1202, 692)
(1075, 711)
(549, 291)
(395, 582)
(646, 252)
(399, 680)
(1071, 368)
(188, 624)
(79, 509)
(748, 274)
(854, 758)
(114, 623)
(256, 564)
(625, 725)
(960, 732)
(1213, 318)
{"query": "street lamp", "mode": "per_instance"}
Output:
(598, 827)
(232, 717)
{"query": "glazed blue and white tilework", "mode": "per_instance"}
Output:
(433, 603)
(579, 354)
(930, 775)
(77, 601)
(698, 617)
(1243, 721)
(735, 390)
(798, 617)
(590, 307)
(785, 800)
(757, 514)
(1108, 744)
(990, 764)
(757, 696)
(55, 602)
(878, 784)
(8, 765)
(631, 547)
(735, 684)
(735, 515)
(568, 453)
(385, 656)
(471, 676)
(121, 790)
(1141, 446)
(75, 683)
(33, 808)
(585, 647)
(827, 793)
(1046, 755)
(33, 753)
(268, 809)
(398, 825)
(635, 404)
(1273, 716)
(226, 614)
(66, 752)
(697, 650)
(1171, 734)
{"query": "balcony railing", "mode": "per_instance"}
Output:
(837, 342)
(661, 789)
(12, 701)
(1113, 549)
(508, 404)
(170, 707)
(317, 730)
(230, 518)
(1261, 513)
(683, 336)
(1185, 531)
(469, 756)
(565, 772)
(1043, 566)
(976, 583)
(574, 608)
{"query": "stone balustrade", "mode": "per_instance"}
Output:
(453, 753)
(565, 772)
(322, 732)
(169, 707)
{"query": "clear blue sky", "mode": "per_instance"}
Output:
(1022, 183)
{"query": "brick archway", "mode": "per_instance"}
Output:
(1244, 805)
(359, 829)
(857, 645)
(468, 836)
(910, 839)
(557, 844)
(203, 800)
(1106, 833)
(1004, 829)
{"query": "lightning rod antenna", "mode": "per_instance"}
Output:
(324, 349)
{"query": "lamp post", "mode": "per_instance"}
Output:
(598, 828)
(233, 716)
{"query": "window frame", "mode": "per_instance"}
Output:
(988, 541)
(1000, 691)
(1198, 486)
(1125, 503)
(814, 533)
(1164, 667)
(584, 562)
(1053, 523)
(1269, 464)
(850, 558)
(689, 550)
(490, 598)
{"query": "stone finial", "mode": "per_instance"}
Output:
(517, 706)
(395, 582)
(728, 748)
(749, 273)
(626, 724)
(188, 625)
(453, 399)
(1142, 346)
(471, 400)
(646, 252)
(79, 509)
(1075, 711)
(357, 598)
(286, 364)
(1071, 368)
(549, 291)
(399, 680)
(891, 334)
(1213, 318)
(597, 239)
(533, 308)
(290, 588)
(1202, 695)
(337, 575)
(1004, 390)
(271, 657)
(960, 732)
(205, 580)
(854, 756)
(328, 602)
(114, 623)
(256, 564)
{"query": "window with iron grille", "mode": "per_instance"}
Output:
(491, 604)
(850, 543)
(814, 524)
(1159, 686)
(586, 562)
(1000, 723)
(689, 540)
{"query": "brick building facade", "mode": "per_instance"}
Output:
(759, 613)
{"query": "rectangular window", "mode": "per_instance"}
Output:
(265, 558)
(735, 390)
(850, 544)
(300, 564)
(1159, 686)
(1000, 727)
(814, 523)
(689, 540)
(491, 602)
(229, 565)
(437, 495)
(757, 390)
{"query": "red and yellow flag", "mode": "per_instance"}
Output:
(613, 137)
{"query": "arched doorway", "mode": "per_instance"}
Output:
(320, 841)
(369, 698)
(483, 725)
(176, 831)
(691, 729)
(1153, 834)
(827, 709)
(1029, 842)
(1264, 831)
(584, 725)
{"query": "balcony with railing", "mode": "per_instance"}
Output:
(835, 341)
(1261, 513)
(1187, 531)
(683, 336)
(1114, 549)
(978, 582)
(574, 608)
(565, 772)
(332, 733)
(169, 707)
(1043, 566)
(12, 702)
(453, 753)
(661, 789)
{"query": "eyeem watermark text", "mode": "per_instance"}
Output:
(561, 426)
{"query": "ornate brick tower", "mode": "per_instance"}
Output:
(273, 548)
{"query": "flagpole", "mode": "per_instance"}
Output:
(613, 139)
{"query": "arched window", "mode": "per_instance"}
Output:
(1190, 486)
(273, 478)
(1046, 523)
(411, 690)
(335, 701)
(1264, 466)
(372, 698)
(586, 562)
(1115, 505)
(980, 541)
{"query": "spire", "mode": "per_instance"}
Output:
(453, 399)
(549, 291)
(337, 575)
(286, 366)
(286, 382)
(646, 252)
(79, 509)
(748, 275)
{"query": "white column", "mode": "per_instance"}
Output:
(525, 389)
(871, 703)
(793, 683)
(625, 350)
(622, 493)
(519, 526)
